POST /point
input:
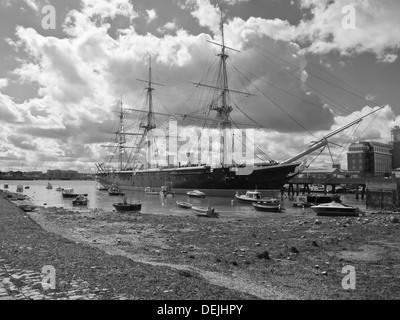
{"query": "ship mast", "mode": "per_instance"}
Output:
(121, 136)
(151, 123)
(120, 140)
(224, 110)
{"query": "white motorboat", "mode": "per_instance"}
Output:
(196, 193)
(249, 197)
(335, 209)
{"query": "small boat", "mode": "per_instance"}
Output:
(270, 205)
(49, 186)
(20, 188)
(150, 191)
(80, 200)
(183, 204)
(59, 189)
(315, 199)
(205, 212)
(336, 209)
(166, 192)
(196, 193)
(249, 197)
(115, 191)
(100, 187)
(27, 187)
(69, 193)
(128, 206)
(5, 186)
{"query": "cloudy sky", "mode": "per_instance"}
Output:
(59, 88)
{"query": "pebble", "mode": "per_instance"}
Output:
(294, 250)
(264, 255)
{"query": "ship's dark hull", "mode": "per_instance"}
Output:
(211, 181)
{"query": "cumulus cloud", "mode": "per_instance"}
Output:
(389, 58)
(169, 26)
(32, 4)
(23, 142)
(152, 15)
(376, 27)
(3, 83)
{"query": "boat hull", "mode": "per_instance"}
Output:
(73, 195)
(116, 194)
(79, 203)
(204, 212)
(127, 207)
(267, 208)
(335, 209)
(246, 200)
(218, 181)
(333, 212)
(183, 204)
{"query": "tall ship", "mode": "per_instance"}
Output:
(141, 166)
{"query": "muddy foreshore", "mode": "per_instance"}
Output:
(153, 257)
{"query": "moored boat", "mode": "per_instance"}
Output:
(100, 187)
(166, 191)
(249, 197)
(80, 200)
(115, 191)
(314, 199)
(196, 193)
(127, 206)
(183, 204)
(6, 186)
(49, 186)
(219, 177)
(205, 212)
(270, 205)
(69, 193)
(335, 209)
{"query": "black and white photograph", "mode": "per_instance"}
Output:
(200, 157)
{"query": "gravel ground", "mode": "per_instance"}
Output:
(84, 271)
(144, 256)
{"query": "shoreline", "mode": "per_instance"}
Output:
(153, 257)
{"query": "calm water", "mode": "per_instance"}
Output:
(150, 203)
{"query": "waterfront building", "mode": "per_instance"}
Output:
(370, 159)
(396, 147)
